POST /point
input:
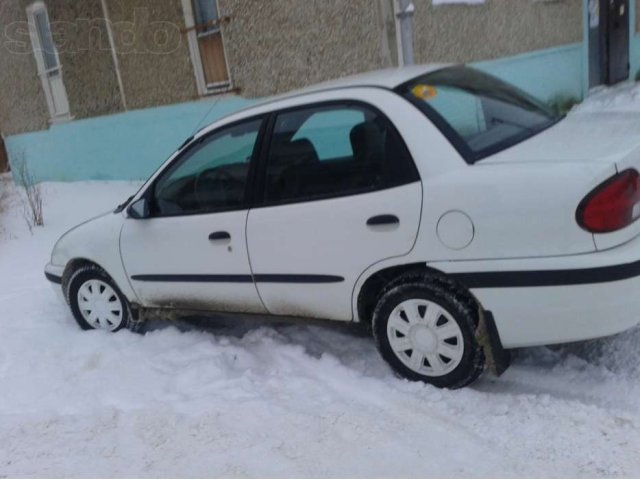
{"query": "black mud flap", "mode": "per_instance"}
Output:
(136, 318)
(498, 359)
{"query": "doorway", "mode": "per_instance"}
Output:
(608, 38)
(4, 158)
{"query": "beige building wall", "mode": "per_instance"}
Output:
(310, 41)
(156, 70)
(272, 46)
(79, 31)
(275, 46)
(156, 67)
(463, 33)
(23, 107)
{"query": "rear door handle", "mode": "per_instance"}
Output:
(382, 220)
(220, 236)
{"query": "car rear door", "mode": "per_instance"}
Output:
(192, 253)
(339, 192)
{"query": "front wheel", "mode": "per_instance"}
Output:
(427, 333)
(96, 302)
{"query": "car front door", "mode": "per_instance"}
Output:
(339, 193)
(191, 252)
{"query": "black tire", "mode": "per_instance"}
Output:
(459, 309)
(78, 279)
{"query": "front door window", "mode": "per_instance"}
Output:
(212, 174)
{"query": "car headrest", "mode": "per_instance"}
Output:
(297, 152)
(367, 142)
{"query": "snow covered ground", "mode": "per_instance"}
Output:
(265, 400)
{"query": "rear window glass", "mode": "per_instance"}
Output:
(479, 113)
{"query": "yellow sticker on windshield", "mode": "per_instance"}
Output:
(424, 92)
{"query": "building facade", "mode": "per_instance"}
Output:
(62, 61)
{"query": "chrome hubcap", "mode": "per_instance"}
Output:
(425, 337)
(99, 305)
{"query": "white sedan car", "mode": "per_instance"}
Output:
(452, 212)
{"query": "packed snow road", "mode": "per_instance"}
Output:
(281, 401)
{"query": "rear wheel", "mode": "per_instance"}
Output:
(96, 302)
(427, 333)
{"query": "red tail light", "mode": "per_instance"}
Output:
(612, 205)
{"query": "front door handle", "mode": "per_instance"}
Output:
(383, 220)
(220, 236)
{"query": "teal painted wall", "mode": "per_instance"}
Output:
(634, 54)
(547, 74)
(132, 145)
(634, 46)
(125, 146)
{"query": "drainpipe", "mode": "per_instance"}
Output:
(114, 54)
(405, 24)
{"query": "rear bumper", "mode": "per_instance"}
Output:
(542, 301)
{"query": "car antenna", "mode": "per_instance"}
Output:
(198, 128)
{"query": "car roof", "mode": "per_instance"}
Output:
(388, 78)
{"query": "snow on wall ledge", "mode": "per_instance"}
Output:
(132, 145)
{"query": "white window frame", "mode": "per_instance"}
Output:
(196, 59)
(33, 9)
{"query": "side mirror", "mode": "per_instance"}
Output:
(139, 209)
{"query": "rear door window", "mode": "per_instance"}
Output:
(328, 151)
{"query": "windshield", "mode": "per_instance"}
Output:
(478, 113)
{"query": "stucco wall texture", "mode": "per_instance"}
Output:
(23, 107)
(155, 66)
(80, 34)
(275, 46)
(463, 33)
(271, 45)
(311, 40)
(152, 51)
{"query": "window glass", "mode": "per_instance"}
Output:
(329, 151)
(211, 175)
(462, 110)
(484, 113)
(205, 11)
(328, 132)
(46, 40)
